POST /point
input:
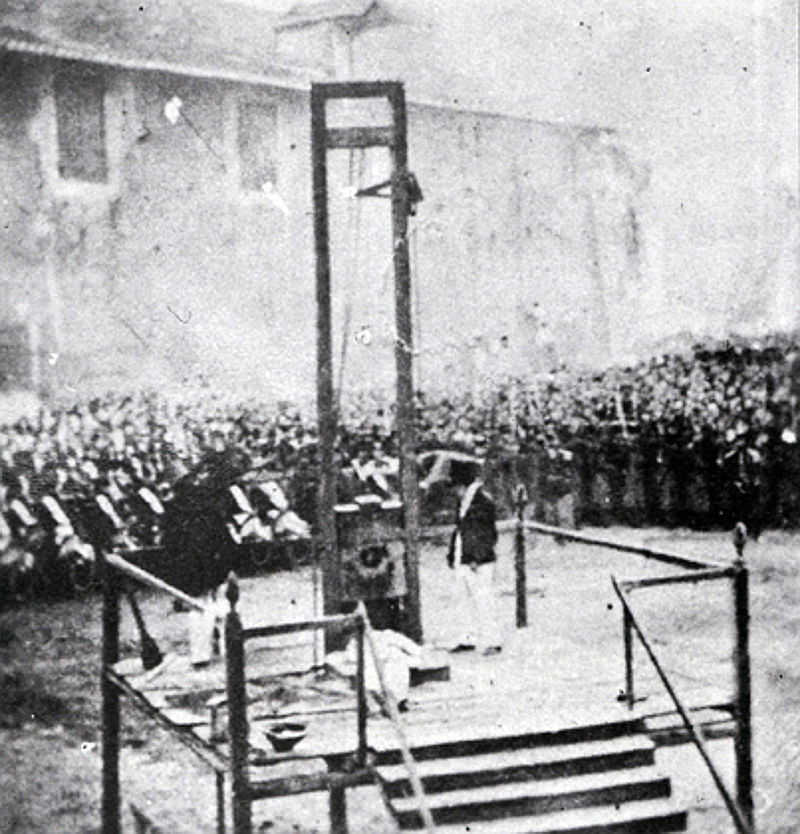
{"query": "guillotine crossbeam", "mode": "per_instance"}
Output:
(358, 137)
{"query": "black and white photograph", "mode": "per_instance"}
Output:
(399, 415)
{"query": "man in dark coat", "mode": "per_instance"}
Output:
(472, 557)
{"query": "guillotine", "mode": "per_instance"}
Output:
(403, 192)
(339, 737)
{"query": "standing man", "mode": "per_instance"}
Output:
(472, 556)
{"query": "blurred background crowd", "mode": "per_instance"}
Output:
(700, 439)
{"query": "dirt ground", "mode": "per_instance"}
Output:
(49, 693)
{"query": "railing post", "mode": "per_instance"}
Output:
(220, 786)
(237, 712)
(520, 499)
(744, 732)
(110, 696)
(337, 809)
(337, 796)
(627, 636)
(361, 692)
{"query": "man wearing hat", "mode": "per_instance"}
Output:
(472, 556)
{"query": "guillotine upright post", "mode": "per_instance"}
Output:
(394, 137)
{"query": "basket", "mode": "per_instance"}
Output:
(283, 737)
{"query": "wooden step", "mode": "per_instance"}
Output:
(652, 816)
(534, 797)
(448, 742)
(518, 765)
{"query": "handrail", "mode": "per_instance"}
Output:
(238, 729)
(394, 716)
(365, 635)
(291, 626)
(140, 575)
(678, 578)
(649, 552)
(741, 824)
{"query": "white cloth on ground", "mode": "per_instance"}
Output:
(398, 654)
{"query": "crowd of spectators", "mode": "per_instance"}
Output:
(700, 439)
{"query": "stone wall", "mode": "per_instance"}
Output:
(525, 250)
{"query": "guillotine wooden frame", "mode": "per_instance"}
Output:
(393, 137)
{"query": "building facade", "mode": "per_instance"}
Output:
(157, 225)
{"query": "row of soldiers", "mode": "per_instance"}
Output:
(56, 510)
(682, 478)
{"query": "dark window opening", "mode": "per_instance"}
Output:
(15, 359)
(257, 142)
(80, 120)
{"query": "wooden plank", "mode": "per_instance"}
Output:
(698, 698)
(702, 715)
(668, 730)
(534, 797)
(123, 566)
(355, 89)
(358, 137)
(343, 620)
(308, 783)
(678, 736)
(548, 761)
(678, 578)
(485, 733)
(651, 815)
(649, 552)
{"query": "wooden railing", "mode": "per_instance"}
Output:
(394, 716)
(243, 791)
(697, 570)
(696, 735)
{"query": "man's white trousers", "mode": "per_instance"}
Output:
(477, 603)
